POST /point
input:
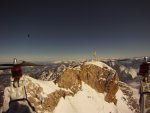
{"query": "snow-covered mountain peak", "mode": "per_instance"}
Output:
(98, 63)
(91, 87)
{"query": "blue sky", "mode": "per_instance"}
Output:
(73, 30)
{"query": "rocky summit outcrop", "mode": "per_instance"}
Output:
(102, 79)
(98, 76)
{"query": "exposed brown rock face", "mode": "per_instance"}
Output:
(100, 79)
(70, 80)
(52, 100)
(111, 89)
(47, 104)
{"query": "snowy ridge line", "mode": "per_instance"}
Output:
(100, 64)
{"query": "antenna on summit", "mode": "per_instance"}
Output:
(15, 61)
(94, 56)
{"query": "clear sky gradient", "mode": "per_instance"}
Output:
(73, 30)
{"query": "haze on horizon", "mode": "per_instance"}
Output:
(49, 30)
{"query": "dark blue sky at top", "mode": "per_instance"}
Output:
(73, 29)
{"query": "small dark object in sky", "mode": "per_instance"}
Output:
(28, 35)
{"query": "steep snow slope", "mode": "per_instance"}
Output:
(90, 101)
(85, 101)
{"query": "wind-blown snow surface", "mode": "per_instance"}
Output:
(48, 86)
(85, 101)
(90, 101)
(100, 64)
